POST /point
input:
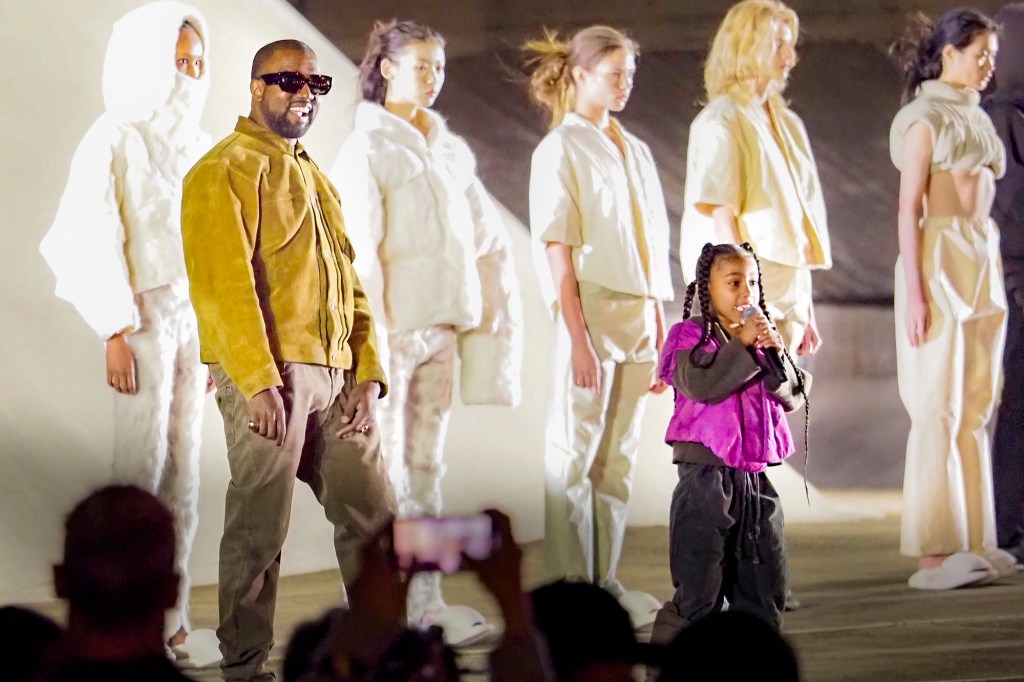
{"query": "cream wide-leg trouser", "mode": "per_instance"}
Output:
(157, 431)
(592, 441)
(413, 420)
(949, 387)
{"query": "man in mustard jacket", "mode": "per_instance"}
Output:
(286, 328)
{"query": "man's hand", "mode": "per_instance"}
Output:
(267, 415)
(121, 365)
(360, 410)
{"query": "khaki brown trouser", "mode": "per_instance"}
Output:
(347, 476)
(948, 385)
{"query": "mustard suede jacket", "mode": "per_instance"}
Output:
(269, 264)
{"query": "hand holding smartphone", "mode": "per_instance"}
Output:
(438, 543)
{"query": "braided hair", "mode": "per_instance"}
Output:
(801, 385)
(699, 289)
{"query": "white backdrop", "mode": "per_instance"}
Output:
(55, 408)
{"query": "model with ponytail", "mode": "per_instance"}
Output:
(432, 253)
(949, 298)
(598, 217)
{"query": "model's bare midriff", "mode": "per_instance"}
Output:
(961, 193)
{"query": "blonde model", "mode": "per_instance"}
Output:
(597, 211)
(750, 172)
(432, 251)
(950, 301)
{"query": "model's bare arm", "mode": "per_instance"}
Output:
(917, 155)
(586, 368)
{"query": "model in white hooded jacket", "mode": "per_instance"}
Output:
(432, 253)
(115, 248)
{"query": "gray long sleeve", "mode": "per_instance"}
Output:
(732, 367)
(788, 392)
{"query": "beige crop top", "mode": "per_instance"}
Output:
(963, 136)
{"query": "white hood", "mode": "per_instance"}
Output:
(139, 75)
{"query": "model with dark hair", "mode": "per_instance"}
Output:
(950, 301)
(432, 251)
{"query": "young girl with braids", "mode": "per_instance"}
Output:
(726, 524)
(598, 215)
(432, 253)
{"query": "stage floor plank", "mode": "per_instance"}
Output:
(859, 621)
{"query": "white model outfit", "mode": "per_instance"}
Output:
(606, 204)
(756, 159)
(949, 383)
(115, 248)
(432, 255)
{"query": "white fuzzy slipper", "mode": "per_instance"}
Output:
(957, 570)
(462, 625)
(1005, 563)
(200, 650)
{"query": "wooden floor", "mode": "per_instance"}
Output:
(859, 620)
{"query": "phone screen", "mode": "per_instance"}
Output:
(437, 543)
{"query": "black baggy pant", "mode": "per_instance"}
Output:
(725, 543)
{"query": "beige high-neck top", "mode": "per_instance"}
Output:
(963, 136)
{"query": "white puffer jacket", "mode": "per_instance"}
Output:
(117, 232)
(431, 247)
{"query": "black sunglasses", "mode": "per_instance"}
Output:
(292, 81)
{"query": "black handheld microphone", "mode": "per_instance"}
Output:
(771, 355)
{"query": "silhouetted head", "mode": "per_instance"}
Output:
(118, 567)
(730, 645)
(26, 642)
(589, 634)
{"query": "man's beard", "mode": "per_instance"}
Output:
(279, 123)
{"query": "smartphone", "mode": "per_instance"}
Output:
(429, 543)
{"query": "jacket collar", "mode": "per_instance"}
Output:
(249, 127)
(938, 90)
(371, 116)
(574, 120)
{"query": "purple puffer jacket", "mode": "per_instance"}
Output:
(747, 430)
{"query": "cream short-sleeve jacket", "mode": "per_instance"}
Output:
(735, 160)
(580, 196)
